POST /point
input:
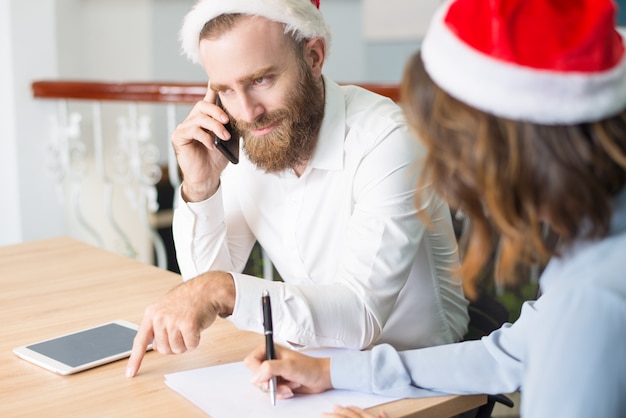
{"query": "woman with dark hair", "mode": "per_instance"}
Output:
(521, 105)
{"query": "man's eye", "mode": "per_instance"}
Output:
(261, 80)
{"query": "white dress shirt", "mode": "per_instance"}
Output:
(358, 265)
(566, 352)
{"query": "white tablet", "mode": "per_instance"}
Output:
(83, 349)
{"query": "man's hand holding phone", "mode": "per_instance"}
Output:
(194, 142)
(229, 148)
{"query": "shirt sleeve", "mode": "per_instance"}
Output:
(302, 315)
(569, 360)
(491, 365)
(200, 239)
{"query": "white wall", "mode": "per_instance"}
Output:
(105, 39)
(10, 219)
(29, 207)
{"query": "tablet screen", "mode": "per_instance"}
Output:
(87, 346)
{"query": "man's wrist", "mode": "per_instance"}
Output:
(192, 193)
(221, 288)
(325, 371)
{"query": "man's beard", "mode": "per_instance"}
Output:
(292, 142)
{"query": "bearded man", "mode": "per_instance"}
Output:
(326, 184)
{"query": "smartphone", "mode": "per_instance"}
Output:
(82, 350)
(229, 148)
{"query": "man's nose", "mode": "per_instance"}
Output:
(250, 108)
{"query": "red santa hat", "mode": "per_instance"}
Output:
(302, 17)
(547, 62)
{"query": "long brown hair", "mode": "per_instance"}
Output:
(515, 179)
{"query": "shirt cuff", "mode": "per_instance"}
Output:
(247, 312)
(209, 211)
(351, 371)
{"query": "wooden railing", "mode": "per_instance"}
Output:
(157, 92)
(80, 158)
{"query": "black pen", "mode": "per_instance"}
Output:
(270, 353)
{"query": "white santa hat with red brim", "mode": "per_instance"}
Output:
(546, 62)
(299, 16)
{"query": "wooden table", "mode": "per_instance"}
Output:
(60, 285)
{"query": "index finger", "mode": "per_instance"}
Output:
(210, 95)
(140, 345)
(255, 358)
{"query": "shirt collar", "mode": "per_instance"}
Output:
(329, 150)
(571, 261)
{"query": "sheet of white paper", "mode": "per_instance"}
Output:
(225, 391)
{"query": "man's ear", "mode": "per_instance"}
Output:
(314, 54)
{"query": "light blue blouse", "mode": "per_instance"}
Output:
(566, 353)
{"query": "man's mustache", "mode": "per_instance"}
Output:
(262, 122)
